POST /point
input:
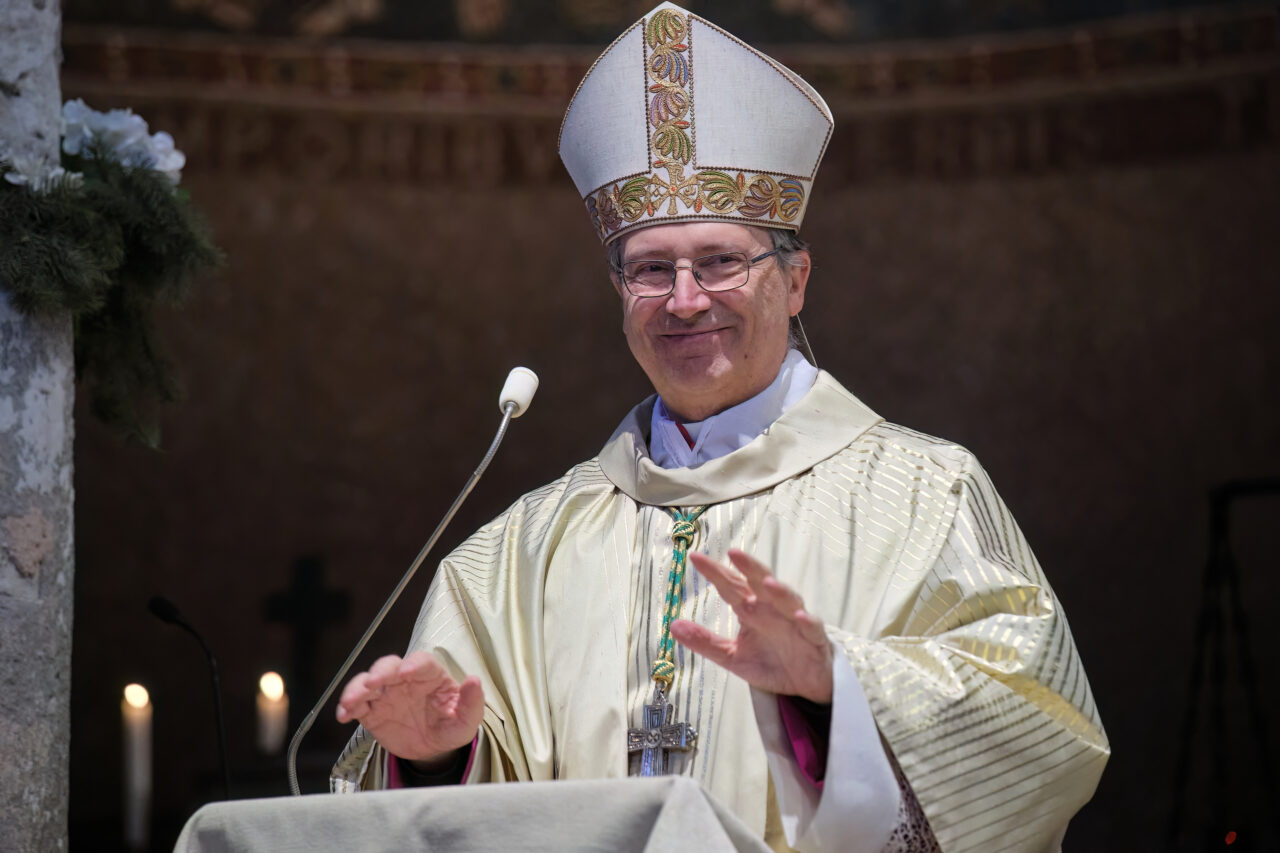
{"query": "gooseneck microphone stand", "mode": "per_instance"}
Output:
(514, 400)
(166, 611)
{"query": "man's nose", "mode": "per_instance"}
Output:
(687, 298)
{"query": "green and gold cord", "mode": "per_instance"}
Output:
(682, 534)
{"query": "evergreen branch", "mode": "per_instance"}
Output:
(105, 247)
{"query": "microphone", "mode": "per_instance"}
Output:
(518, 390)
(517, 393)
(166, 611)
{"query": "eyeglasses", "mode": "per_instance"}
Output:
(713, 273)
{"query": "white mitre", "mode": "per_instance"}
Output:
(680, 120)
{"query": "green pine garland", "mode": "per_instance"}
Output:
(106, 250)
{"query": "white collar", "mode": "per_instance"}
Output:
(823, 423)
(726, 431)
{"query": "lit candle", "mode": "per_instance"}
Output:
(136, 709)
(273, 713)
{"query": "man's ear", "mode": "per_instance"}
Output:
(797, 281)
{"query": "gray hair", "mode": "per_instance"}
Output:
(789, 245)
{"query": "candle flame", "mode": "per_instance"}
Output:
(136, 695)
(271, 685)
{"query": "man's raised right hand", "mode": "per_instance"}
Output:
(413, 707)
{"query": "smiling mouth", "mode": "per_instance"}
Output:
(691, 333)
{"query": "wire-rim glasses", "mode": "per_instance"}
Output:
(713, 273)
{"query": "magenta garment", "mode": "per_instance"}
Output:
(396, 780)
(809, 739)
(393, 772)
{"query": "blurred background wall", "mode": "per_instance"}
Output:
(1047, 234)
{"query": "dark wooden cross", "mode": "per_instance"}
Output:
(658, 737)
(307, 607)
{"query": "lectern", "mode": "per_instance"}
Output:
(670, 813)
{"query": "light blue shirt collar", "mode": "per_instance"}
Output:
(726, 431)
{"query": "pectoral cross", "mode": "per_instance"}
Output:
(658, 737)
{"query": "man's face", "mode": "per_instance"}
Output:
(705, 352)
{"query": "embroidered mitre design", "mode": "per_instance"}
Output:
(680, 120)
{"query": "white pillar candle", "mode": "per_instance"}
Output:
(273, 713)
(136, 710)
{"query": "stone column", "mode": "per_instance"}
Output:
(36, 393)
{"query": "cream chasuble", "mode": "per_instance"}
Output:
(896, 539)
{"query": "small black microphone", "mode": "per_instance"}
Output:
(166, 611)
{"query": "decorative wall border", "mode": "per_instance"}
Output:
(1108, 49)
(1128, 91)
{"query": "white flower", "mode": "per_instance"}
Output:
(121, 132)
(124, 132)
(75, 126)
(168, 159)
(122, 136)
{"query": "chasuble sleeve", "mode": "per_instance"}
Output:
(978, 689)
(859, 804)
(473, 623)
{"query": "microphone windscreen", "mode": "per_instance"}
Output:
(165, 610)
(519, 389)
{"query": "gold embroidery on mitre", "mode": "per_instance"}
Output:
(669, 69)
(669, 80)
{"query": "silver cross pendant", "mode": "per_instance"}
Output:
(658, 737)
